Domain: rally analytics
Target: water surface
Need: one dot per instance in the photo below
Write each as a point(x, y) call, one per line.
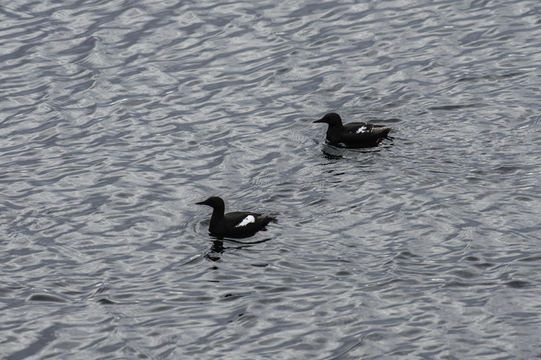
point(117, 116)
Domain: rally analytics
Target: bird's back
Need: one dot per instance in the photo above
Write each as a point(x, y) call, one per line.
point(241, 224)
point(358, 134)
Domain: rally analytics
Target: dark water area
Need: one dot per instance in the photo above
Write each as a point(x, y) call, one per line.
point(117, 116)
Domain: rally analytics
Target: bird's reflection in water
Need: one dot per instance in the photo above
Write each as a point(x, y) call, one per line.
point(218, 247)
point(336, 152)
point(332, 152)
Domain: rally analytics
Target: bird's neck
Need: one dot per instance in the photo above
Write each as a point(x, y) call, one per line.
point(217, 214)
point(334, 128)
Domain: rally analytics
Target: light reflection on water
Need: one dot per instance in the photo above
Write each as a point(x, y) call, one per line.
point(116, 117)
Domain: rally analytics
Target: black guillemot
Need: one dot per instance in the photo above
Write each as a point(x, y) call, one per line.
point(238, 224)
point(352, 135)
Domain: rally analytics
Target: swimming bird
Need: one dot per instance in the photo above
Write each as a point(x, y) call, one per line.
point(352, 135)
point(238, 224)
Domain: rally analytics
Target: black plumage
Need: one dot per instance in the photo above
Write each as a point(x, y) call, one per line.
point(238, 224)
point(352, 135)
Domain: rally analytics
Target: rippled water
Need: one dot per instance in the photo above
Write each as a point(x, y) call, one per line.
point(117, 116)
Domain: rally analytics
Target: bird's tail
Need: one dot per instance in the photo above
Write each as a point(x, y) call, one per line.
point(382, 132)
point(271, 218)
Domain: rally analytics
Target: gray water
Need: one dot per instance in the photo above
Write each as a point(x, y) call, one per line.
point(117, 116)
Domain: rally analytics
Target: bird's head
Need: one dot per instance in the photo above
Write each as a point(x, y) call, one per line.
point(333, 119)
point(213, 201)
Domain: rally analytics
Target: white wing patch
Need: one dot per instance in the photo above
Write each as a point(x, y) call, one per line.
point(248, 219)
point(362, 129)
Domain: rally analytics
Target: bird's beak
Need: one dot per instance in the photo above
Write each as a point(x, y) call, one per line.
point(201, 203)
point(319, 121)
